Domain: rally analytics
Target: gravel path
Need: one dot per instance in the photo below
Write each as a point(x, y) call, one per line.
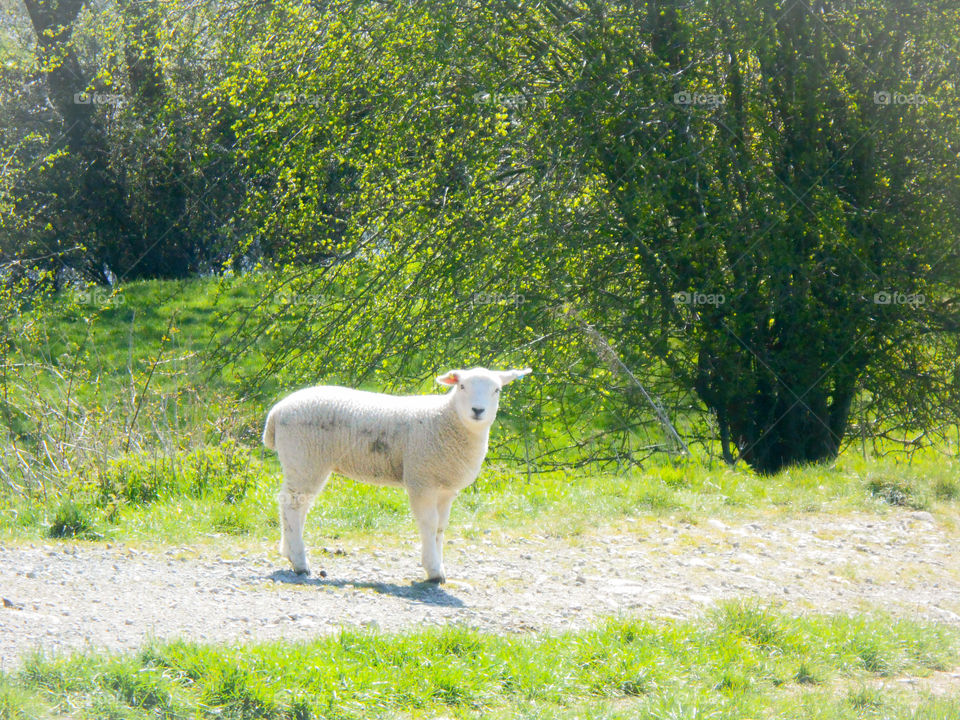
point(62, 596)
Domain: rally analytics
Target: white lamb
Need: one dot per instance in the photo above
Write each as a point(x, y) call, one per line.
point(432, 445)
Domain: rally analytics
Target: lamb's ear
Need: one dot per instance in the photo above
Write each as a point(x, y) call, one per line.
point(507, 376)
point(449, 379)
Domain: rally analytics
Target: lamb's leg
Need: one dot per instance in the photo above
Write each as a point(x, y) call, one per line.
point(443, 518)
point(294, 504)
point(424, 507)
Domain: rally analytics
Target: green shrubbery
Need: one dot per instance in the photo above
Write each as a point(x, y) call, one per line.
point(221, 476)
point(224, 472)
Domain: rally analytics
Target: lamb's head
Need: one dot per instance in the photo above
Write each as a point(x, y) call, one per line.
point(476, 393)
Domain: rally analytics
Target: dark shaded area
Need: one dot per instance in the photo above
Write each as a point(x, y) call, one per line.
point(427, 593)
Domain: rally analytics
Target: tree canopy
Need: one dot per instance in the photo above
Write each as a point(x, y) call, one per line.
point(742, 214)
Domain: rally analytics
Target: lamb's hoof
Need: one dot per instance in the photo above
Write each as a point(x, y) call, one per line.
point(438, 580)
point(304, 572)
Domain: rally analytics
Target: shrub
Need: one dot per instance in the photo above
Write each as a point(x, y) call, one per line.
point(72, 520)
point(896, 492)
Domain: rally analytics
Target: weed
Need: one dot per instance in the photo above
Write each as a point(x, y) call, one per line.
point(896, 492)
point(72, 520)
point(805, 675)
point(946, 488)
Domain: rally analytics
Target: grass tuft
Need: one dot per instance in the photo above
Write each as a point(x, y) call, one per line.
point(897, 492)
point(72, 520)
point(805, 675)
point(946, 488)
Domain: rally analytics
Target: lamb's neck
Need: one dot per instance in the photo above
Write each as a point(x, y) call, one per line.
point(470, 442)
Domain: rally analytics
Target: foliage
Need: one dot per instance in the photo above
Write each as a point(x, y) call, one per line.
point(713, 188)
point(71, 521)
point(108, 176)
point(750, 205)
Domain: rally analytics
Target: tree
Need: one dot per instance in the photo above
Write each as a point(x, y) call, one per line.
point(792, 225)
point(722, 190)
point(128, 189)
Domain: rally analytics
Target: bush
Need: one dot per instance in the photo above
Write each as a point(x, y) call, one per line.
point(72, 520)
point(226, 472)
point(897, 492)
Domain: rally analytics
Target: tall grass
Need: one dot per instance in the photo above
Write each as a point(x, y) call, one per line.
point(228, 489)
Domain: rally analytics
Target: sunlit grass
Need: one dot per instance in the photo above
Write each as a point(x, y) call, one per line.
point(173, 476)
point(229, 491)
point(740, 661)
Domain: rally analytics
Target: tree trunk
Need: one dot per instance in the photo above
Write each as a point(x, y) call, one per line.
point(98, 207)
point(775, 422)
point(53, 24)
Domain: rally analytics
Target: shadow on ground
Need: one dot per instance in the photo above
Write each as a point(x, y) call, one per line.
point(423, 592)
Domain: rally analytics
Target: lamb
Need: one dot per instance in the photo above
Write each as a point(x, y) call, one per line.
point(431, 445)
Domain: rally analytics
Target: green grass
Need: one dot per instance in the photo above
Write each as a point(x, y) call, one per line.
point(229, 491)
point(116, 335)
point(740, 661)
point(110, 437)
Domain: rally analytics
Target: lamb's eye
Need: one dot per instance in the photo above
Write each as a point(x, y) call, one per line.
point(463, 387)
point(497, 391)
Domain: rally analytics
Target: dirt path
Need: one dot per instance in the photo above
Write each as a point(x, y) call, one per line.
point(61, 596)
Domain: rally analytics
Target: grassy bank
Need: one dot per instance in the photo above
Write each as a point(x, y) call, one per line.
point(229, 490)
point(738, 662)
point(120, 426)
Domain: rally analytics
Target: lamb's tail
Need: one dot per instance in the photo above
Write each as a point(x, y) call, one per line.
point(268, 431)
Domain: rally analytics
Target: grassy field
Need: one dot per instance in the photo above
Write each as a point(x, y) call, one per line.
point(229, 491)
point(113, 443)
point(738, 662)
point(111, 438)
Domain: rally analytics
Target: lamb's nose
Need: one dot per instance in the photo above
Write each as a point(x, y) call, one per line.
point(477, 412)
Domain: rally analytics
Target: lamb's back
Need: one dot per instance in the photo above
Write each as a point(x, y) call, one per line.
point(360, 434)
